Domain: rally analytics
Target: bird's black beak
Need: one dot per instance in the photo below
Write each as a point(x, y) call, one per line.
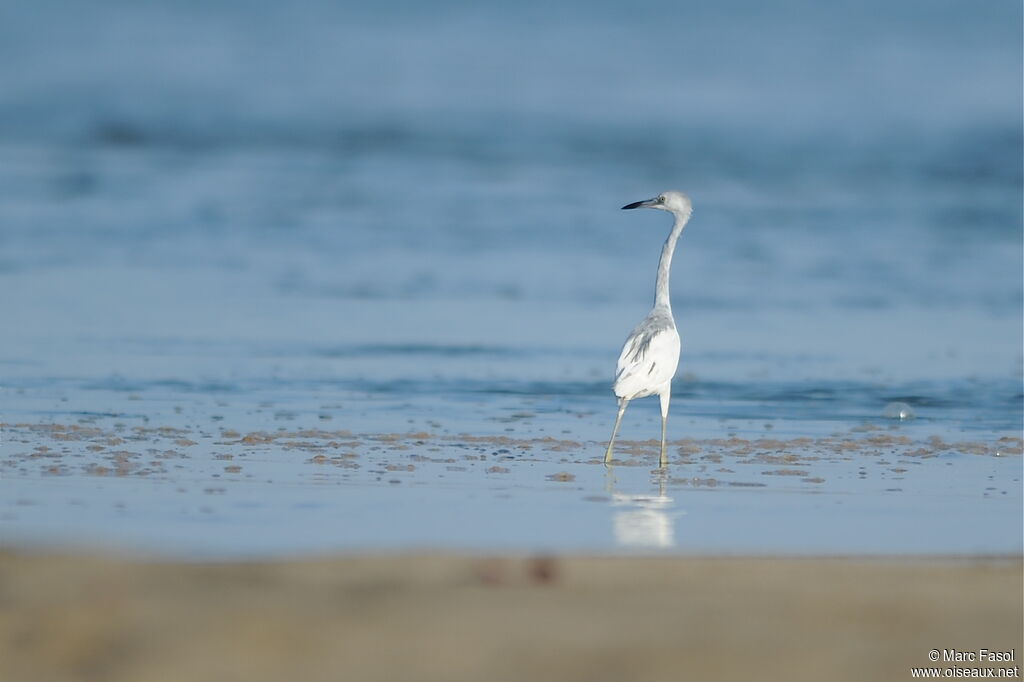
point(640, 204)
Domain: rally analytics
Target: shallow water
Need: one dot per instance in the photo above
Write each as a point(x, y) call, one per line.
point(218, 492)
point(388, 223)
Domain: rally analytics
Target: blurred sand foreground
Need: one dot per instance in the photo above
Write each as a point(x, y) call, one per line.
point(494, 619)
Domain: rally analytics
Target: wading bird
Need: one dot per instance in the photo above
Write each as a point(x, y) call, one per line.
point(651, 353)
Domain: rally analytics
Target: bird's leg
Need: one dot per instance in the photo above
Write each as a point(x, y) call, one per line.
point(663, 461)
point(665, 396)
point(615, 430)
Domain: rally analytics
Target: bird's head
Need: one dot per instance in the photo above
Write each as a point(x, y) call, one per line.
point(675, 202)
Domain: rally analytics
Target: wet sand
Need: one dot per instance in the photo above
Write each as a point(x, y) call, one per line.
point(68, 617)
point(59, 449)
point(223, 492)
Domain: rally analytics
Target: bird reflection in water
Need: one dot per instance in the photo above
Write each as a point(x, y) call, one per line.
point(643, 521)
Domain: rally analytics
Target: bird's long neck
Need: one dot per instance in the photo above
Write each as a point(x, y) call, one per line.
point(661, 294)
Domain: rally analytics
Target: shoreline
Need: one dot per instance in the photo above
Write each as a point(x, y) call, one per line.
point(222, 492)
point(499, 617)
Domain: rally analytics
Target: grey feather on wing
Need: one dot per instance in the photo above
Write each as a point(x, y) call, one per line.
point(641, 346)
point(643, 335)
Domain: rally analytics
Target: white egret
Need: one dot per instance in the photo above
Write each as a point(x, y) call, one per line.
point(651, 353)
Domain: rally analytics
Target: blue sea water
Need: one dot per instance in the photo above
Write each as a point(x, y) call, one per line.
point(403, 217)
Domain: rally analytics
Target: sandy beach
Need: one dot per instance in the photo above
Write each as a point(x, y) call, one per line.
point(67, 617)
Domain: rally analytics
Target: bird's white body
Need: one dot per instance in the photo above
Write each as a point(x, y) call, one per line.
point(650, 356)
point(648, 360)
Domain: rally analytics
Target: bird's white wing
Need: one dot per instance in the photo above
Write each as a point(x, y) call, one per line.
point(649, 359)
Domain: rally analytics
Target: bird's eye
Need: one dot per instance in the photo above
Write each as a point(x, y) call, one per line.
point(661, 199)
